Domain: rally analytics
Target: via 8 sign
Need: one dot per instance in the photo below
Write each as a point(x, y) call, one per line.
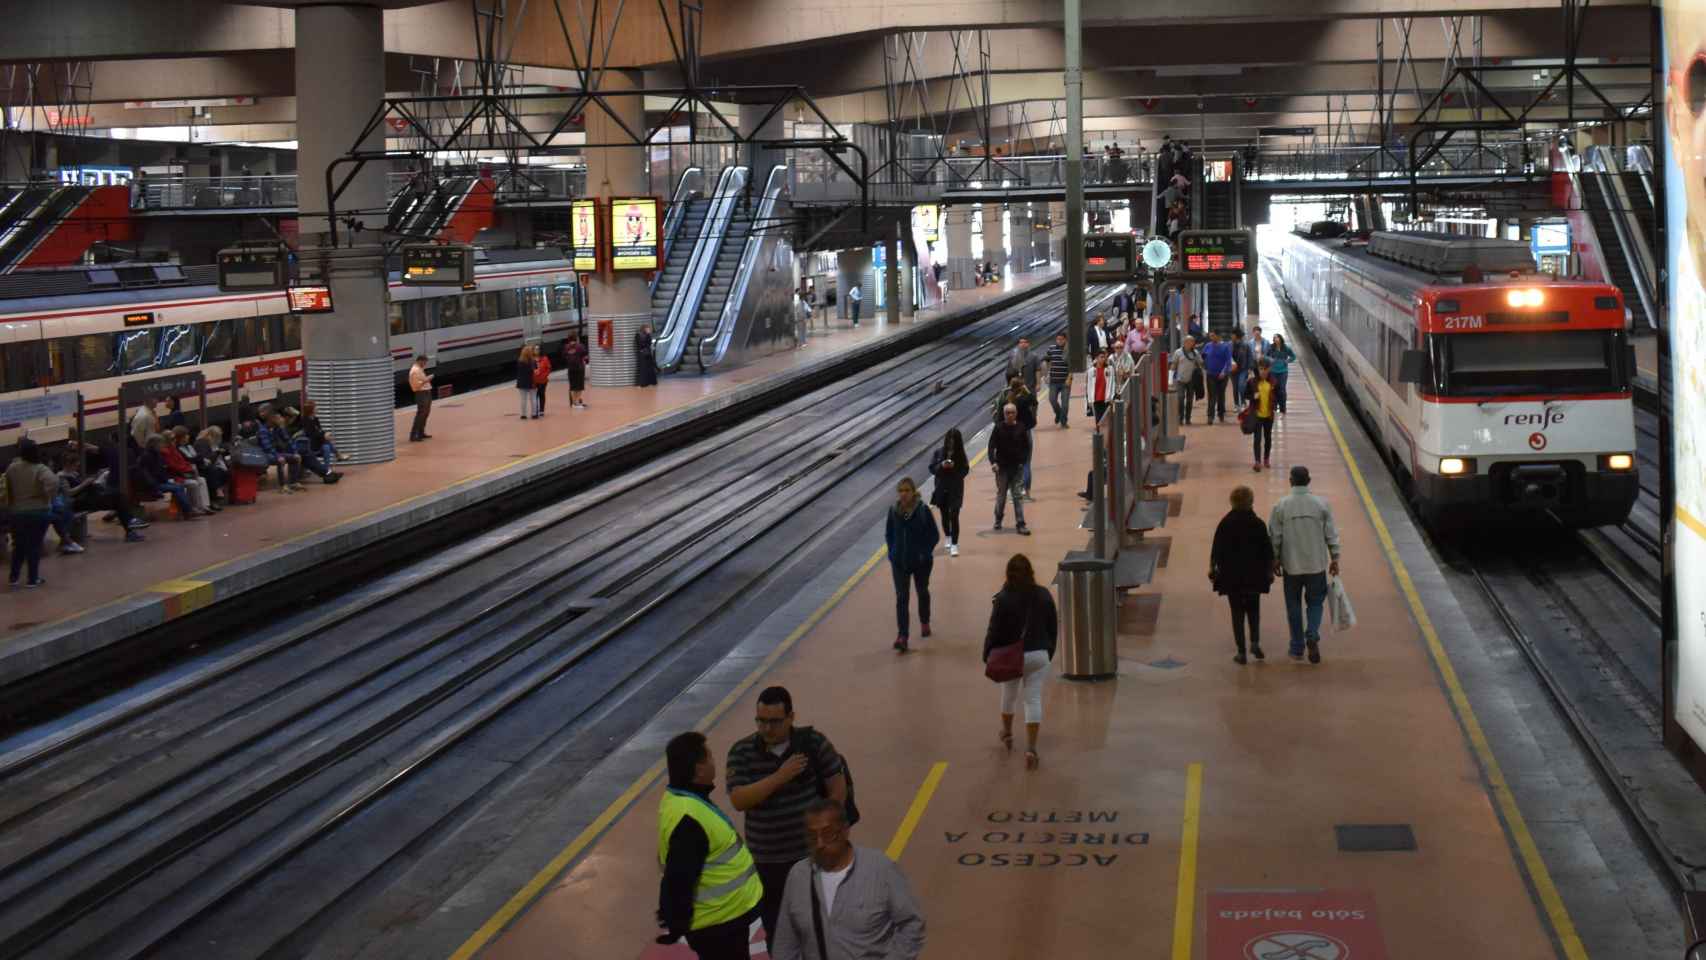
point(1215, 254)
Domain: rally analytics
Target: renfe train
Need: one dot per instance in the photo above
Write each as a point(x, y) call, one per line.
point(93, 342)
point(1488, 385)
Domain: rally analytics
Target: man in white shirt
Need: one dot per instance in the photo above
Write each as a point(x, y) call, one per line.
point(845, 901)
point(855, 297)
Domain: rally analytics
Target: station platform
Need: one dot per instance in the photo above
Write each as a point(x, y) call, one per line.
point(1189, 808)
point(479, 443)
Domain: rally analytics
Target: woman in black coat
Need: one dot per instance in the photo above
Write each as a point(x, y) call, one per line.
point(949, 466)
point(1241, 566)
point(1023, 612)
point(646, 365)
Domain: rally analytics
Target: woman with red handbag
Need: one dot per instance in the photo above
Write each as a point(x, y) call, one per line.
point(1017, 649)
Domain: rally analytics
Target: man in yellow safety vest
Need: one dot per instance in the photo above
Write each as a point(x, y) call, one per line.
point(711, 891)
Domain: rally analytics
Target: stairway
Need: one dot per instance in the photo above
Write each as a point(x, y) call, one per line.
point(722, 278)
point(1635, 185)
point(1219, 214)
point(680, 252)
point(1595, 187)
point(31, 217)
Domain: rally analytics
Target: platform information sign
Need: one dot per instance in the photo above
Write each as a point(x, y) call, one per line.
point(1214, 254)
point(1110, 256)
point(1292, 925)
point(583, 235)
point(634, 233)
point(1685, 201)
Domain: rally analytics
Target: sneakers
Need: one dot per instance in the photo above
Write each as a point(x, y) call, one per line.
point(1314, 650)
point(1295, 657)
point(297, 488)
point(1256, 467)
point(70, 546)
point(1266, 463)
point(131, 536)
point(1022, 530)
point(1240, 659)
point(343, 458)
point(997, 527)
point(287, 489)
point(925, 631)
point(900, 645)
point(137, 523)
point(1256, 651)
point(953, 549)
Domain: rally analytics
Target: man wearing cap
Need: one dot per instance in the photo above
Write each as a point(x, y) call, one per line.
point(1306, 553)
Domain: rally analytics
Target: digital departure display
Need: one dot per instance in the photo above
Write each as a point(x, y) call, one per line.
point(634, 233)
point(1222, 253)
point(309, 298)
point(250, 268)
point(1109, 256)
point(438, 264)
point(141, 319)
point(583, 235)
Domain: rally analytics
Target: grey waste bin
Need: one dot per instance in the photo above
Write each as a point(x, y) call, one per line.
point(1087, 615)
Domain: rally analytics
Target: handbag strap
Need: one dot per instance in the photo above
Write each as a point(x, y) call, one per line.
point(817, 916)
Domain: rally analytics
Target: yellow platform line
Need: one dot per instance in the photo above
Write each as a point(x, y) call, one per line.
point(1551, 902)
point(530, 892)
point(915, 813)
point(1185, 907)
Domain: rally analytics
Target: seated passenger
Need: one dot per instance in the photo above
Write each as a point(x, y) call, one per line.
point(211, 471)
point(184, 472)
point(63, 512)
point(318, 439)
point(154, 476)
point(275, 443)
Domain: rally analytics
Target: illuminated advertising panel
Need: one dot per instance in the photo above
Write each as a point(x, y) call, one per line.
point(309, 298)
point(583, 235)
point(925, 218)
point(634, 233)
point(1685, 202)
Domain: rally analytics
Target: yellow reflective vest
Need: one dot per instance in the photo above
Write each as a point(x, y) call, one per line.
point(728, 884)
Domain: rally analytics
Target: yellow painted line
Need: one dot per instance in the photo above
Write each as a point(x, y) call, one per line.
point(529, 892)
point(915, 813)
point(1185, 908)
point(1689, 520)
point(1551, 902)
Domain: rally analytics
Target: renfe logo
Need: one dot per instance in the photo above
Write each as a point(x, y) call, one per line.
point(1543, 419)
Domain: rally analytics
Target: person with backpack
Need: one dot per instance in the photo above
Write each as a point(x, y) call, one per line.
point(912, 536)
point(1018, 647)
point(949, 466)
point(1261, 398)
point(1282, 357)
point(1187, 374)
point(541, 379)
point(773, 776)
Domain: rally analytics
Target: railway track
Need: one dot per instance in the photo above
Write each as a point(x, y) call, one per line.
point(247, 802)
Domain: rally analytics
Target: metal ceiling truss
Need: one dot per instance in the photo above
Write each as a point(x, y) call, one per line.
point(490, 117)
point(55, 100)
point(907, 87)
point(1493, 114)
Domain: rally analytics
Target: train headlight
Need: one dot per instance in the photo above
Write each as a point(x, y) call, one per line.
point(1455, 466)
point(1528, 297)
point(1620, 462)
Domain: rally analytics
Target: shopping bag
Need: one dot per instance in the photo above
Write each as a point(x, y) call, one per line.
point(1344, 615)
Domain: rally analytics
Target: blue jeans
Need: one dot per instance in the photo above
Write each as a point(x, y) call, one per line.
point(60, 516)
point(179, 493)
point(1238, 380)
point(1058, 399)
point(1279, 389)
point(903, 581)
point(1301, 588)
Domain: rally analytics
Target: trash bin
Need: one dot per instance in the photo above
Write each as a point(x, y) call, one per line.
point(1087, 615)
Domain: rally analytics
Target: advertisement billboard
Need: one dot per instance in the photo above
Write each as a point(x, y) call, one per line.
point(634, 233)
point(1685, 213)
point(925, 220)
point(583, 235)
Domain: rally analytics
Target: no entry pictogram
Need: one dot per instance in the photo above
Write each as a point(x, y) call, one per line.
point(1293, 925)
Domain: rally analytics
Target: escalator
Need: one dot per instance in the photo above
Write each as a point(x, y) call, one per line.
point(749, 311)
point(722, 276)
point(36, 216)
point(428, 216)
point(1219, 212)
point(675, 264)
point(1636, 188)
point(1603, 208)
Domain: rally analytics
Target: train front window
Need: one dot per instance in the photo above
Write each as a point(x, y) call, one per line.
point(1516, 364)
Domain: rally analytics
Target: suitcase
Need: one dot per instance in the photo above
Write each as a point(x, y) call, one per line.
point(244, 486)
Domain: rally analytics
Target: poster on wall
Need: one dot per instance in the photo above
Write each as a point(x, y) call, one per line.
point(1685, 202)
point(583, 235)
point(925, 220)
point(634, 233)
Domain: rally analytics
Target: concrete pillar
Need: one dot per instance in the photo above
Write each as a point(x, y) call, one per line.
point(956, 227)
point(994, 235)
point(909, 280)
point(891, 274)
point(852, 266)
point(340, 79)
point(624, 299)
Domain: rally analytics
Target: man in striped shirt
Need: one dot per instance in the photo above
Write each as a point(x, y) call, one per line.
point(773, 776)
point(1059, 379)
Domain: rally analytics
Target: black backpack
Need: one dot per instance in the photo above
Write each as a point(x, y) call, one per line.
point(805, 742)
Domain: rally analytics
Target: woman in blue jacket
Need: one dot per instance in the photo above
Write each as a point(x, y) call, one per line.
point(912, 538)
point(1280, 358)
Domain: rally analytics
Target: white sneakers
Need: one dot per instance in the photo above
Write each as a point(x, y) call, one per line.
point(953, 549)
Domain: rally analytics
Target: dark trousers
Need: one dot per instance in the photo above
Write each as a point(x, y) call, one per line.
point(28, 531)
point(1217, 398)
point(1279, 390)
point(774, 876)
point(903, 582)
point(1187, 400)
point(725, 941)
point(1305, 598)
point(423, 409)
point(855, 307)
point(539, 391)
point(1246, 609)
point(950, 524)
point(1262, 441)
point(1058, 399)
point(1098, 408)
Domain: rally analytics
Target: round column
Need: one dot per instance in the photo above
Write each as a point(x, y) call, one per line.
point(624, 299)
point(994, 237)
point(956, 224)
point(340, 80)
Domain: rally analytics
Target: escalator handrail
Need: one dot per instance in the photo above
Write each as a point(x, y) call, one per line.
point(29, 216)
point(672, 222)
point(40, 224)
point(727, 320)
point(678, 325)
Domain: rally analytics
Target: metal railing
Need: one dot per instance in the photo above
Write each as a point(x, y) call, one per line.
point(671, 345)
point(755, 238)
point(279, 190)
point(1385, 163)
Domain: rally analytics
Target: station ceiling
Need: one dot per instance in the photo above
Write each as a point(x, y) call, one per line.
point(1214, 70)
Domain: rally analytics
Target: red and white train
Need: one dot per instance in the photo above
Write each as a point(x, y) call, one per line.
point(1489, 386)
point(93, 342)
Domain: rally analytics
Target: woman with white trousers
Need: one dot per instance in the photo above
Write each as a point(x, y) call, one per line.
point(1023, 613)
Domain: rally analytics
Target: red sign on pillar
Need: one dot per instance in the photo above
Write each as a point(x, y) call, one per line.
point(1291, 925)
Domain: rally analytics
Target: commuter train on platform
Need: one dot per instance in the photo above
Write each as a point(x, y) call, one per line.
point(1489, 386)
point(94, 342)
